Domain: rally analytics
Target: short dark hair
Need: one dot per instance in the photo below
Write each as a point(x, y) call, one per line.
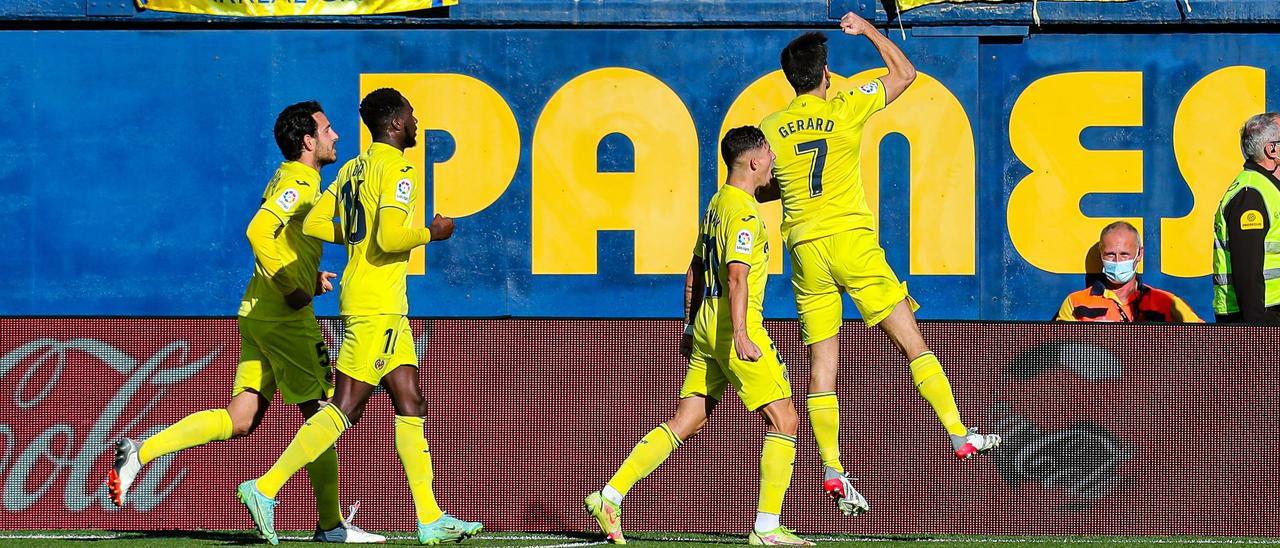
point(379, 107)
point(295, 122)
point(738, 141)
point(1117, 225)
point(804, 60)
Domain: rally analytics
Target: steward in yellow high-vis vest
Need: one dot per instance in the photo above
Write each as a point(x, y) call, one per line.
point(1246, 248)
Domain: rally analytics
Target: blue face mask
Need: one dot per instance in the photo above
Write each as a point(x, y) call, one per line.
point(1120, 272)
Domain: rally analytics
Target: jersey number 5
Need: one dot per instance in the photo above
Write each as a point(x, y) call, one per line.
point(818, 149)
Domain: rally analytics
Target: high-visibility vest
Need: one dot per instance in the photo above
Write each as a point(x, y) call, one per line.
point(1224, 292)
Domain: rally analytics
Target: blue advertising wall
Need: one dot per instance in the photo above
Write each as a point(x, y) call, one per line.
point(132, 160)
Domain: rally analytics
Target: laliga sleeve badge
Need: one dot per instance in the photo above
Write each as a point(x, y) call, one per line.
point(870, 88)
point(287, 199)
point(1251, 220)
point(743, 245)
point(404, 188)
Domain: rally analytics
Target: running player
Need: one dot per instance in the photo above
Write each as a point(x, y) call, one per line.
point(726, 343)
point(374, 196)
point(834, 247)
point(281, 346)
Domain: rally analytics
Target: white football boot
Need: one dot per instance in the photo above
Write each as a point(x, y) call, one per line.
point(848, 500)
point(124, 471)
point(973, 443)
point(347, 532)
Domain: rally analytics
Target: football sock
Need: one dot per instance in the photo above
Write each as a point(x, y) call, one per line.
point(766, 522)
point(195, 429)
point(316, 436)
point(647, 456)
point(323, 473)
point(776, 460)
point(612, 495)
point(824, 416)
point(932, 383)
point(415, 455)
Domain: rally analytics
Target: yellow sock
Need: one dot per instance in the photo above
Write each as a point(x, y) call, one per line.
point(777, 458)
point(323, 473)
point(195, 429)
point(932, 383)
point(647, 456)
point(316, 436)
point(824, 415)
point(415, 455)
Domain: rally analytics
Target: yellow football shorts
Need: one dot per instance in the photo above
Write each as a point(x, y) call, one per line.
point(374, 345)
point(290, 356)
point(851, 262)
point(758, 383)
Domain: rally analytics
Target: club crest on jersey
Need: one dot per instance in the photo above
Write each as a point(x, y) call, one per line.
point(870, 88)
point(743, 244)
point(287, 199)
point(403, 189)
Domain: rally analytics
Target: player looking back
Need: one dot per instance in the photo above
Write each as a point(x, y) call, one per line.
point(374, 195)
point(726, 343)
point(834, 248)
point(280, 344)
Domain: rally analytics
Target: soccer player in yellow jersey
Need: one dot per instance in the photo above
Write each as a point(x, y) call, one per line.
point(374, 196)
point(281, 346)
point(834, 248)
point(726, 343)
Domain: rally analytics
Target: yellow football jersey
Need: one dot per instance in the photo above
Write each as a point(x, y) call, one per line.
point(818, 144)
point(289, 196)
point(374, 279)
point(731, 231)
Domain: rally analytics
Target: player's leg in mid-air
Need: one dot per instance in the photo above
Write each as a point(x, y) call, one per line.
point(251, 393)
point(703, 386)
point(818, 301)
point(931, 381)
point(241, 416)
point(852, 261)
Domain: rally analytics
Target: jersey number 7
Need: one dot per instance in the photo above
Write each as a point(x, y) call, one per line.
point(818, 149)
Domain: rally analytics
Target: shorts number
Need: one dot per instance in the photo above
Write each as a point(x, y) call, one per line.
point(819, 150)
point(322, 352)
point(391, 341)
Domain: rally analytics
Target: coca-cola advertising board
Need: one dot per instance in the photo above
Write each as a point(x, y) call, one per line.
point(1109, 429)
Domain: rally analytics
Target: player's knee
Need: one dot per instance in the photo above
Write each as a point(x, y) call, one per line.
point(687, 423)
point(411, 407)
point(244, 425)
point(780, 416)
point(352, 412)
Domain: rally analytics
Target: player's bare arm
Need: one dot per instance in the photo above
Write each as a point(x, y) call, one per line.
point(901, 72)
point(693, 288)
point(742, 345)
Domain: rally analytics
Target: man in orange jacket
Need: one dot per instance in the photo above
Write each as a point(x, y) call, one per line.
point(1120, 296)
